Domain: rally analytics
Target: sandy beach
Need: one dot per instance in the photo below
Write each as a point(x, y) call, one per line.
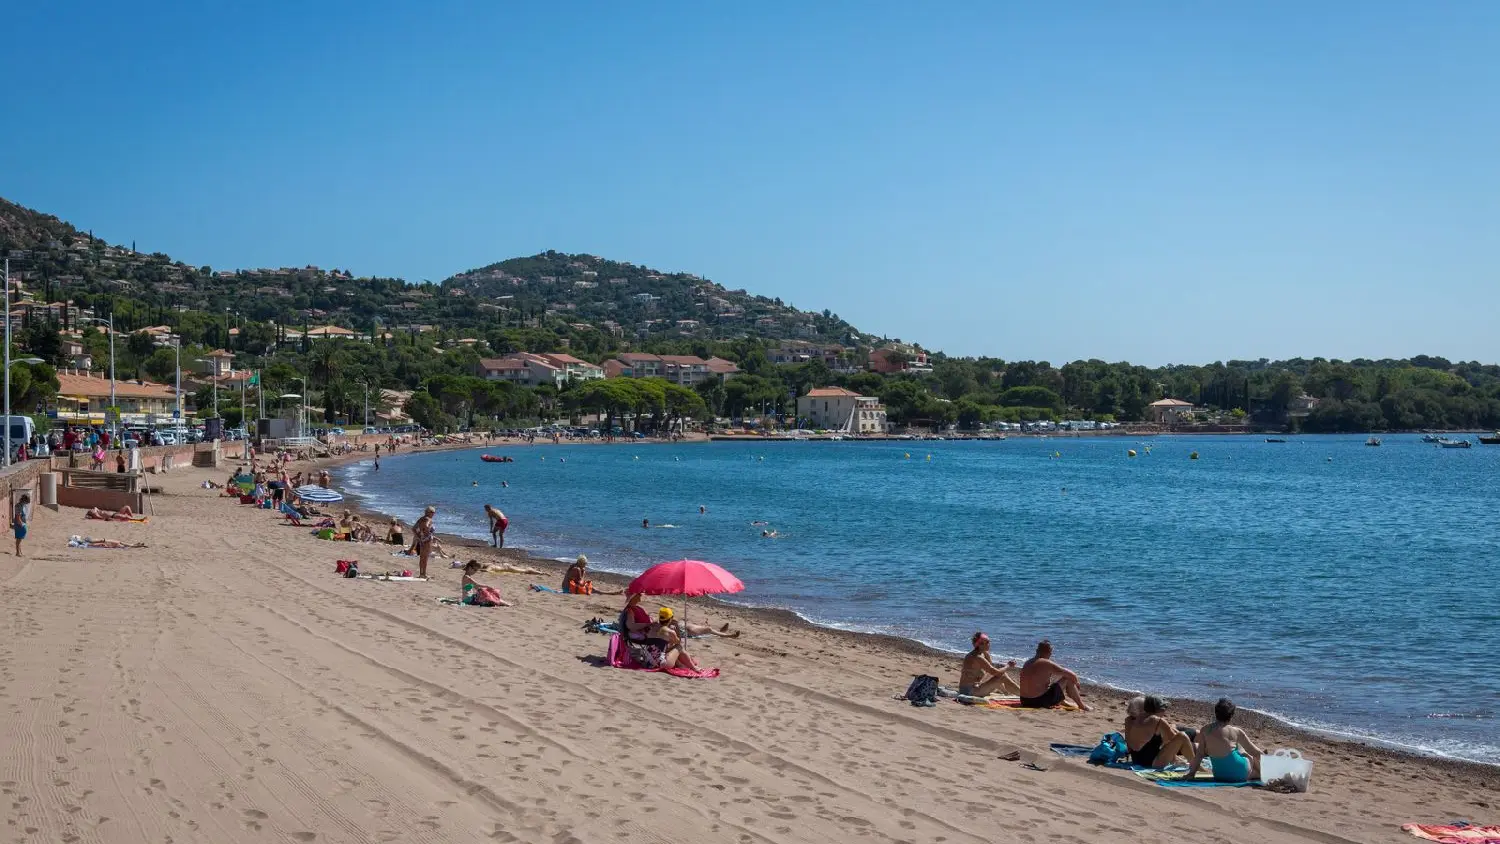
point(223, 685)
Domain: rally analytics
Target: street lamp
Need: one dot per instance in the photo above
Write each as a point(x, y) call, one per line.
point(8, 428)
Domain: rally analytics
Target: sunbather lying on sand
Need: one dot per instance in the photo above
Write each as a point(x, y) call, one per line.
point(979, 677)
point(89, 542)
point(1045, 684)
point(1153, 741)
point(121, 515)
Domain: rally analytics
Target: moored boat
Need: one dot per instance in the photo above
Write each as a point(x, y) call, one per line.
point(1431, 438)
point(492, 458)
point(1488, 439)
point(1447, 443)
point(1275, 439)
point(1372, 441)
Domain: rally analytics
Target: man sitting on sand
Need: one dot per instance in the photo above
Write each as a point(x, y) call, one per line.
point(1045, 684)
point(1153, 741)
point(979, 677)
point(1235, 757)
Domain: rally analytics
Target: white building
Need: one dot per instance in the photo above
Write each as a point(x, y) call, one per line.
point(838, 409)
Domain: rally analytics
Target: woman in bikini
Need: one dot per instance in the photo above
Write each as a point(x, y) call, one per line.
point(422, 538)
point(1153, 741)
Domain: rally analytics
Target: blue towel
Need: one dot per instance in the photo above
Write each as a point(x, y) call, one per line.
point(1071, 750)
point(538, 588)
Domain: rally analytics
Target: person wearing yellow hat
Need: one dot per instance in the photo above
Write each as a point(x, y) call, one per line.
point(666, 618)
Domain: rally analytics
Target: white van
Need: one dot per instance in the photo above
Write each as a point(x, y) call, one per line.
point(19, 429)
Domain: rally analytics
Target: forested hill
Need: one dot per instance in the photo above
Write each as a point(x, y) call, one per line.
point(585, 288)
point(598, 304)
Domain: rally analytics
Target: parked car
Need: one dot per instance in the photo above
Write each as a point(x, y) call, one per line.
point(370, 429)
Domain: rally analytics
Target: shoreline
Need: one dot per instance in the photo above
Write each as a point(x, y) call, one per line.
point(1286, 731)
point(226, 685)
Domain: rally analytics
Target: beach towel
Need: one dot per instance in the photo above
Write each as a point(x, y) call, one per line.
point(618, 656)
point(1458, 832)
point(1171, 777)
point(1012, 703)
point(536, 587)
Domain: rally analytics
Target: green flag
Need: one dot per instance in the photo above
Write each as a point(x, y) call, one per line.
point(254, 379)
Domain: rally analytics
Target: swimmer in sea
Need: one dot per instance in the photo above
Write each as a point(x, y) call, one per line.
point(645, 523)
point(769, 534)
point(702, 510)
point(505, 483)
point(759, 523)
point(474, 483)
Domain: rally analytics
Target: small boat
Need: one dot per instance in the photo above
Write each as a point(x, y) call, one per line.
point(1490, 440)
point(1431, 438)
point(1446, 443)
point(491, 458)
point(1275, 439)
point(1372, 441)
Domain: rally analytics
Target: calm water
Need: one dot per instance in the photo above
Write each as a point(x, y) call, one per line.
point(1356, 594)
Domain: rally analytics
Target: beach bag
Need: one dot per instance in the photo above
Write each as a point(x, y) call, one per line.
point(1110, 750)
point(922, 691)
point(342, 566)
point(352, 570)
point(1286, 765)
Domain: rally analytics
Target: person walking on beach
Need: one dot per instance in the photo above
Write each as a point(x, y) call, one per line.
point(498, 524)
point(20, 519)
point(979, 677)
point(422, 535)
point(1045, 684)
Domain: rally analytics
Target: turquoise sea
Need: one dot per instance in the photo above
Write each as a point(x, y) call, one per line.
point(1341, 587)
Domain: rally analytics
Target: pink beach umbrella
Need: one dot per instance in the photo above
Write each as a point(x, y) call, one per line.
point(684, 577)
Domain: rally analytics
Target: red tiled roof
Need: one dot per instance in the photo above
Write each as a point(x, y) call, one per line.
point(69, 384)
point(831, 392)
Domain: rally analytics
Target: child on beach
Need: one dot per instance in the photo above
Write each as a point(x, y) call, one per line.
point(20, 519)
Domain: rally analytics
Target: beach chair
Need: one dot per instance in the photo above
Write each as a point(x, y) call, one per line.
point(292, 516)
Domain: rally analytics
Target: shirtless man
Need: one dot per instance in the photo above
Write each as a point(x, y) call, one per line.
point(1235, 757)
point(1045, 684)
point(980, 677)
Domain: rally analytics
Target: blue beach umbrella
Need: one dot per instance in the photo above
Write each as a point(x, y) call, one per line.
point(318, 495)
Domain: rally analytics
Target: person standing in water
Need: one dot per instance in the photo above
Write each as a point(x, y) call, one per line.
point(20, 519)
point(498, 524)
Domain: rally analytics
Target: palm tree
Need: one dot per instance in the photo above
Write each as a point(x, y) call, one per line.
point(327, 362)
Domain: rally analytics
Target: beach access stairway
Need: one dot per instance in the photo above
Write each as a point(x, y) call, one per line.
point(106, 490)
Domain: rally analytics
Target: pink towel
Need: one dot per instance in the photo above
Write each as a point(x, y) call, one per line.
point(619, 657)
point(1455, 833)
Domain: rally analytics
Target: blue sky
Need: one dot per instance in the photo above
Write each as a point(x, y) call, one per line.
point(1152, 181)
